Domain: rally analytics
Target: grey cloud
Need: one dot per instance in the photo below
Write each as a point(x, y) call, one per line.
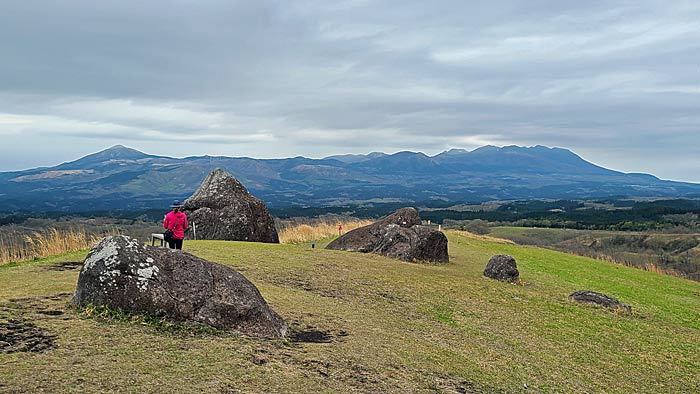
point(279, 78)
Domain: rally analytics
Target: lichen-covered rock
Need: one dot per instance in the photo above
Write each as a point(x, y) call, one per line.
point(592, 297)
point(223, 209)
point(399, 235)
point(121, 273)
point(502, 267)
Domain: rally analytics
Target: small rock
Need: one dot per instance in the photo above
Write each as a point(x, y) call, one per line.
point(592, 297)
point(502, 267)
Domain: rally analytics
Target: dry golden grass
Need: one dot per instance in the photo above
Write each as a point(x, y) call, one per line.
point(44, 243)
point(485, 238)
point(652, 267)
point(648, 266)
point(301, 233)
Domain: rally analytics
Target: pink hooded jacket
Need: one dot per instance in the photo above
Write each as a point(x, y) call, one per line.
point(177, 222)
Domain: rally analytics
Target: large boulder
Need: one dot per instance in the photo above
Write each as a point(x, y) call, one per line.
point(592, 297)
point(399, 235)
point(502, 267)
point(121, 273)
point(222, 208)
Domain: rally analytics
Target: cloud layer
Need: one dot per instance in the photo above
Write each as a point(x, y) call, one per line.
point(617, 82)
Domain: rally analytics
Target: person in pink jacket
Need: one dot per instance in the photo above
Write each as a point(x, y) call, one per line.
point(176, 222)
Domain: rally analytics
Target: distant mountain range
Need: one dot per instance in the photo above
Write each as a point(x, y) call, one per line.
point(124, 178)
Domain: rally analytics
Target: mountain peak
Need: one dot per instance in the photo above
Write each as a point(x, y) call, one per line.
point(355, 158)
point(451, 152)
point(486, 148)
point(116, 152)
point(122, 150)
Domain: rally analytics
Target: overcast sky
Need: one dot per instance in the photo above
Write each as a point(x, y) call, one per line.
point(617, 82)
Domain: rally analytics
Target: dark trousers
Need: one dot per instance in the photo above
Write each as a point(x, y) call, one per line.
point(175, 243)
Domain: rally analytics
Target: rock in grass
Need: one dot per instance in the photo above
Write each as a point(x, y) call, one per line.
point(223, 209)
point(502, 267)
point(592, 297)
point(399, 235)
point(121, 273)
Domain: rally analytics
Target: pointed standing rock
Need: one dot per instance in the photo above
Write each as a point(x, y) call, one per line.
point(223, 209)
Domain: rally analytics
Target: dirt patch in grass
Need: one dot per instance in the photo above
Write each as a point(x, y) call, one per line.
point(349, 372)
point(311, 336)
point(391, 378)
point(65, 266)
point(391, 297)
point(50, 312)
point(306, 284)
point(322, 368)
point(228, 389)
point(451, 384)
point(19, 333)
point(33, 301)
point(23, 336)
point(347, 290)
point(314, 335)
point(35, 308)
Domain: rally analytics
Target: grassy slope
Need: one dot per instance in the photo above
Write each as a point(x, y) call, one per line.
point(677, 254)
point(410, 327)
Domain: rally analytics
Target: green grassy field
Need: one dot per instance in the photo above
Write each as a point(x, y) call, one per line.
point(673, 254)
point(388, 326)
